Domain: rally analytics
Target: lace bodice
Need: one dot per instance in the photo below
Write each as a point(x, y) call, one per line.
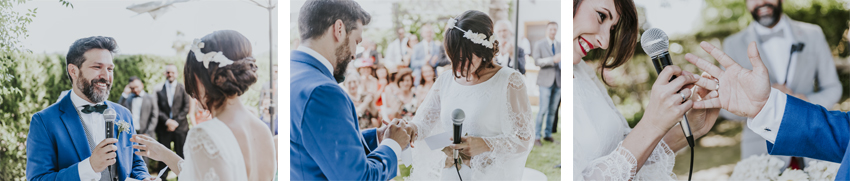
point(497, 110)
point(212, 153)
point(600, 130)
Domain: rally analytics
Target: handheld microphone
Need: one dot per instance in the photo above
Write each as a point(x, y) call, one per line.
point(457, 121)
point(655, 42)
point(109, 116)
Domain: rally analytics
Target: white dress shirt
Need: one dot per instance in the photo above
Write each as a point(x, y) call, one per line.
point(766, 123)
point(778, 49)
point(95, 124)
point(169, 92)
point(389, 141)
point(136, 109)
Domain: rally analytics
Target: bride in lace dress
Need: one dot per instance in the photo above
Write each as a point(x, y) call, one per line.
point(235, 144)
point(606, 148)
point(497, 128)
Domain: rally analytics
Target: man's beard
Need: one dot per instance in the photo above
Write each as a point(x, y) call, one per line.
point(343, 57)
point(89, 90)
point(768, 20)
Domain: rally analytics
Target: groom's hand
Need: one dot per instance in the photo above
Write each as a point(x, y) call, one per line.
point(741, 91)
point(396, 131)
point(103, 155)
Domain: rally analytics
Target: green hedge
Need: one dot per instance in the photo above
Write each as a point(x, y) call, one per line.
point(41, 78)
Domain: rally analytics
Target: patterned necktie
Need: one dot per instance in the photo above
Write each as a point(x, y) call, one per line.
point(88, 109)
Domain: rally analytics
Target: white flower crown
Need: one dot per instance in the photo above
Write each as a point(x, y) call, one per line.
point(219, 57)
point(477, 38)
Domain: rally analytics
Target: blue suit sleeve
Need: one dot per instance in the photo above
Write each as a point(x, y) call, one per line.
point(330, 134)
point(42, 156)
point(810, 130)
point(371, 136)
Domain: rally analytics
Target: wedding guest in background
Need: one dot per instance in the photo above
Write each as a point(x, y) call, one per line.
point(796, 54)
point(405, 92)
point(174, 106)
point(370, 51)
point(142, 105)
point(428, 77)
point(547, 55)
point(382, 74)
point(412, 41)
point(505, 57)
point(423, 52)
point(395, 51)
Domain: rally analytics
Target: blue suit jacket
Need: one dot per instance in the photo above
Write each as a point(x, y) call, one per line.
point(57, 143)
point(325, 140)
point(810, 130)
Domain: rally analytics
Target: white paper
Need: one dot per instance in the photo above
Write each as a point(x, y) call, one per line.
point(439, 141)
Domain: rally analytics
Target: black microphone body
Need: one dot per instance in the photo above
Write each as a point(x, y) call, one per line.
point(109, 116)
point(654, 42)
point(457, 121)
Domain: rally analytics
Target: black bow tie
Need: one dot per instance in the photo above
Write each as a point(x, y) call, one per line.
point(88, 109)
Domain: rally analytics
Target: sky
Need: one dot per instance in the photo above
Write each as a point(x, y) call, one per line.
point(55, 26)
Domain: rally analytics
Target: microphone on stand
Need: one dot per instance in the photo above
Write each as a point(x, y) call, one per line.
point(655, 42)
point(109, 116)
point(457, 122)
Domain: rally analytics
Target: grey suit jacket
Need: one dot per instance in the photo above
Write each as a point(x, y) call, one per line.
point(148, 118)
point(549, 73)
point(418, 59)
point(813, 64)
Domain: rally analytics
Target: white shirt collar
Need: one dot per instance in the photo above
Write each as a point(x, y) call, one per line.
point(317, 56)
point(551, 41)
point(169, 85)
point(78, 101)
point(782, 24)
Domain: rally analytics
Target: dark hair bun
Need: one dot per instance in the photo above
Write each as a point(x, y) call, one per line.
point(236, 78)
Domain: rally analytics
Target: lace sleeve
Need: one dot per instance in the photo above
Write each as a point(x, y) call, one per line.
point(204, 160)
point(427, 116)
point(622, 165)
point(517, 130)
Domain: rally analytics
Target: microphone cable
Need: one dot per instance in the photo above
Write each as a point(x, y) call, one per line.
point(457, 166)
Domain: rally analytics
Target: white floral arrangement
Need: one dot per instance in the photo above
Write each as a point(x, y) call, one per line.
point(477, 38)
point(123, 127)
point(766, 167)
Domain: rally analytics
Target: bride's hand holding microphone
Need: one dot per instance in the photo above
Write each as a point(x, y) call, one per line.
point(668, 101)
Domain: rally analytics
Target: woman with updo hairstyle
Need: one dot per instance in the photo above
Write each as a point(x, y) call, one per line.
point(234, 144)
point(497, 126)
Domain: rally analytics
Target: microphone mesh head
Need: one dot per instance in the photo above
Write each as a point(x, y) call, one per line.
point(654, 42)
point(109, 114)
point(458, 116)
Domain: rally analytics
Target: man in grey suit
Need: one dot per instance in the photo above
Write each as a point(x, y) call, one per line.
point(142, 105)
point(796, 56)
point(173, 103)
point(547, 55)
point(424, 52)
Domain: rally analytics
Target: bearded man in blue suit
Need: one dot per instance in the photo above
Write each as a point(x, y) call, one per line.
point(67, 141)
point(326, 142)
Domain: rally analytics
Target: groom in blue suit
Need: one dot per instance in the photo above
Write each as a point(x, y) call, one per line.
point(67, 141)
point(325, 140)
point(791, 126)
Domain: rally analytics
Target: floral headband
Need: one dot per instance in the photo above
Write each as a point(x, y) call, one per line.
point(210, 56)
point(477, 38)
